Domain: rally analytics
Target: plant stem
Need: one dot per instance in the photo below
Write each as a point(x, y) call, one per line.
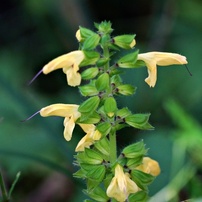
point(113, 152)
point(3, 189)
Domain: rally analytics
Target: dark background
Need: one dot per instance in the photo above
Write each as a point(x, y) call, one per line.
point(34, 32)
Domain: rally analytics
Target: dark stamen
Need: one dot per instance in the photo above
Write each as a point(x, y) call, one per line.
point(188, 69)
point(35, 76)
point(27, 119)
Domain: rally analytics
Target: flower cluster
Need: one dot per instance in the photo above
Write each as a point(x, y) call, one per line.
point(108, 177)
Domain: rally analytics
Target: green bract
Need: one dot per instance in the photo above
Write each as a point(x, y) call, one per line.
point(124, 41)
point(128, 61)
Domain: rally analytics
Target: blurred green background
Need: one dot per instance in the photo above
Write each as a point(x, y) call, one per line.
point(34, 32)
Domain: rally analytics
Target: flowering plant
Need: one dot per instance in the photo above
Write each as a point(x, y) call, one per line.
point(109, 176)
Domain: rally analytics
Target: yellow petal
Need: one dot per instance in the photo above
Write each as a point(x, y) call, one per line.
point(67, 60)
point(73, 77)
point(90, 138)
point(149, 166)
point(69, 125)
point(85, 142)
point(62, 110)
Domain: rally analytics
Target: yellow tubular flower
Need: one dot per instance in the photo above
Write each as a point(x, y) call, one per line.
point(91, 136)
point(69, 111)
point(70, 65)
point(152, 59)
point(149, 166)
point(121, 185)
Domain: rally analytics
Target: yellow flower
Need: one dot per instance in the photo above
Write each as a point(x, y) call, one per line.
point(69, 111)
point(152, 59)
point(70, 65)
point(149, 166)
point(89, 139)
point(121, 185)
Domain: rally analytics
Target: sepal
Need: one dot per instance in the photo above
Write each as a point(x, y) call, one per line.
point(89, 73)
point(84, 33)
point(126, 89)
point(104, 128)
point(98, 194)
point(140, 196)
point(125, 41)
point(89, 89)
point(128, 61)
point(89, 156)
point(91, 58)
point(141, 179)
point(103, 146)
point(110, 106)
point(102, 83)
point(139, 121)
point(90, 105)
point(134, 150)
point(91, 42)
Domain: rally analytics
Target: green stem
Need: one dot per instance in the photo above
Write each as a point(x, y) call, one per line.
point(106, 55)
point(113, 152)
point(3, 189)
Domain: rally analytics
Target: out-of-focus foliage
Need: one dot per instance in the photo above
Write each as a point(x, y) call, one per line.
point(33, 32)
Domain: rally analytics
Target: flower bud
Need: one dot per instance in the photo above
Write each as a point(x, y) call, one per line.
point(102, 83)
point(135, 150)
point(141, 179)
point(139, 196)
point(91, 42)
point(104, 27)
point(83, 33)
point(97, 193)
point(103, 146)
point(104, 128)
point(124, 112)
point(139, 121)
point(125, 41)
point(90, 58)
point(102, 61)
point(128, 61)
point(90, 105)
point(88, 90)
point(110, 106)
point(126, 89)
point(89, 73)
